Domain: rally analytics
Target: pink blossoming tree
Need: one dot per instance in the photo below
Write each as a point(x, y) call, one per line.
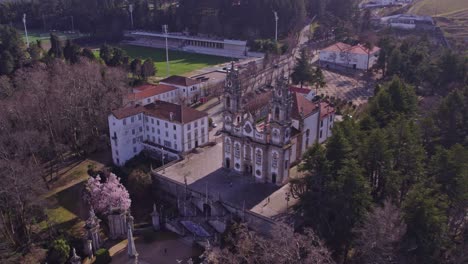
point(108, 195)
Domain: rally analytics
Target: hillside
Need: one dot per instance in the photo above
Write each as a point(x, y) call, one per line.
point(451, 16)
point(437, 7)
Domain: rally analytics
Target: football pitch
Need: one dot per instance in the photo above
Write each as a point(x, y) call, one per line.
point(180, 62)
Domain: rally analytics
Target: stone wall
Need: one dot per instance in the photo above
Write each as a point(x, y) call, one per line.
point(169, 190)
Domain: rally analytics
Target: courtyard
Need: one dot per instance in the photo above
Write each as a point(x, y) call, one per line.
point(167, 248)
point(351, 88)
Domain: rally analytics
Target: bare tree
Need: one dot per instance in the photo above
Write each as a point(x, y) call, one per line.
point(285, 246)
point(379, 236)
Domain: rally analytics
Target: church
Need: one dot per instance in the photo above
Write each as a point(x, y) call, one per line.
point(265, 133)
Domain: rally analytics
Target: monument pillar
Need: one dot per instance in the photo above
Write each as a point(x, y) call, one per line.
point(92, 227)
point(155, 219)
point(117, 224)
point(75, 259)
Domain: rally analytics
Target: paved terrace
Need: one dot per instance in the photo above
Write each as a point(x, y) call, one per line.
point(347, 88)
point(204, 173)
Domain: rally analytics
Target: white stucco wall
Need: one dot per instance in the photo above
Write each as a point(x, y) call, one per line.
point(310, 123)
point(325, 128)
point(171, 135)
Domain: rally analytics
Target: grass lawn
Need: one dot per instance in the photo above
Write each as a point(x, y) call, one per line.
point(181, 63)
point(65, 208)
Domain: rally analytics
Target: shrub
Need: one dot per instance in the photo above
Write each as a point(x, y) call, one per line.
point(58, 252)
point(210, 122)
point(103, 256)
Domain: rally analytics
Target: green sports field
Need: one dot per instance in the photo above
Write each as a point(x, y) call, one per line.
point(180, 62)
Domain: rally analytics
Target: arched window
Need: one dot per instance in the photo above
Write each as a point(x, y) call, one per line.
point(258, 157)
point(277, 113)
point(237, 150)
point(227, 146)
point(274, 162)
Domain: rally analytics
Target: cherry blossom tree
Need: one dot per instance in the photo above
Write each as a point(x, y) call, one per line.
point(108, 195)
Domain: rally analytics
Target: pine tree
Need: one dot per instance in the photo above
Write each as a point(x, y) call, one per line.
point(55, 46)
point(135, 68)
point(350, 201)
point(449, 167)
point(426, 218)
point(87, 53)
point(338, 148)
point(105, 53)
point(303, 72)
point(318, 79)
point(375, 157)
point(7, 63)
point(407, 156)
point(148, 69)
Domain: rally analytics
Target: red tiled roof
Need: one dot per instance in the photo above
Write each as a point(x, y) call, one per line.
point(343, 47)
point(258, 101)
point(302, 105)
point(180, 80)
point(360, 49)
point(326, 109)
point(299, 90)
point(339, 46)
point(128, 111)
point(149, 90)
point(160, 109)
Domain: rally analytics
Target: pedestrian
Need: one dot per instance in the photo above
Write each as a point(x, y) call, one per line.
point(165, 251)
point(268, 199)
point(230, 184)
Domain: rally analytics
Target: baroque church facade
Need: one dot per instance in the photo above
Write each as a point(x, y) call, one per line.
point(265, 133)
point(260, 149)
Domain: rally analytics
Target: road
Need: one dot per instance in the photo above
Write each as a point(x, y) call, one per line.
point(264, 77)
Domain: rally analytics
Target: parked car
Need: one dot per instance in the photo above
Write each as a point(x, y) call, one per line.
point(219, 132)
point(214, 125)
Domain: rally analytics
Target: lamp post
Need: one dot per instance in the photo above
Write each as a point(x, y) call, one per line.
point(130, 8)
point(167, 49)
point(72, 24)
point(276, 25)
point(25, 30)
point(162, 160)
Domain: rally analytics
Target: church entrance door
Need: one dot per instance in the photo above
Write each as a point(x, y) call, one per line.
point(273, 178)
point(248, 169)
point(228, 163)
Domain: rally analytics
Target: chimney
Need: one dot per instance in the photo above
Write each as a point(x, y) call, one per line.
point(171, 116)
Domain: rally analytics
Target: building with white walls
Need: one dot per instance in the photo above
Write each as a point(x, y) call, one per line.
point(345, 55)
point(189, 89)
point(408, 22)
point(196, 44)
point(159, 127)
point(265, 134)
point(148, 93)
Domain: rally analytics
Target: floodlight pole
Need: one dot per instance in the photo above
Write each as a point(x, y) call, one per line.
point(25, 30)
point(162, 160)
point(167, 49)
point(276, 25)
point(130, 8)
point(73, 24)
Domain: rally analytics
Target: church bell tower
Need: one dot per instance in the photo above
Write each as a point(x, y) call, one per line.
point(280, 111)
